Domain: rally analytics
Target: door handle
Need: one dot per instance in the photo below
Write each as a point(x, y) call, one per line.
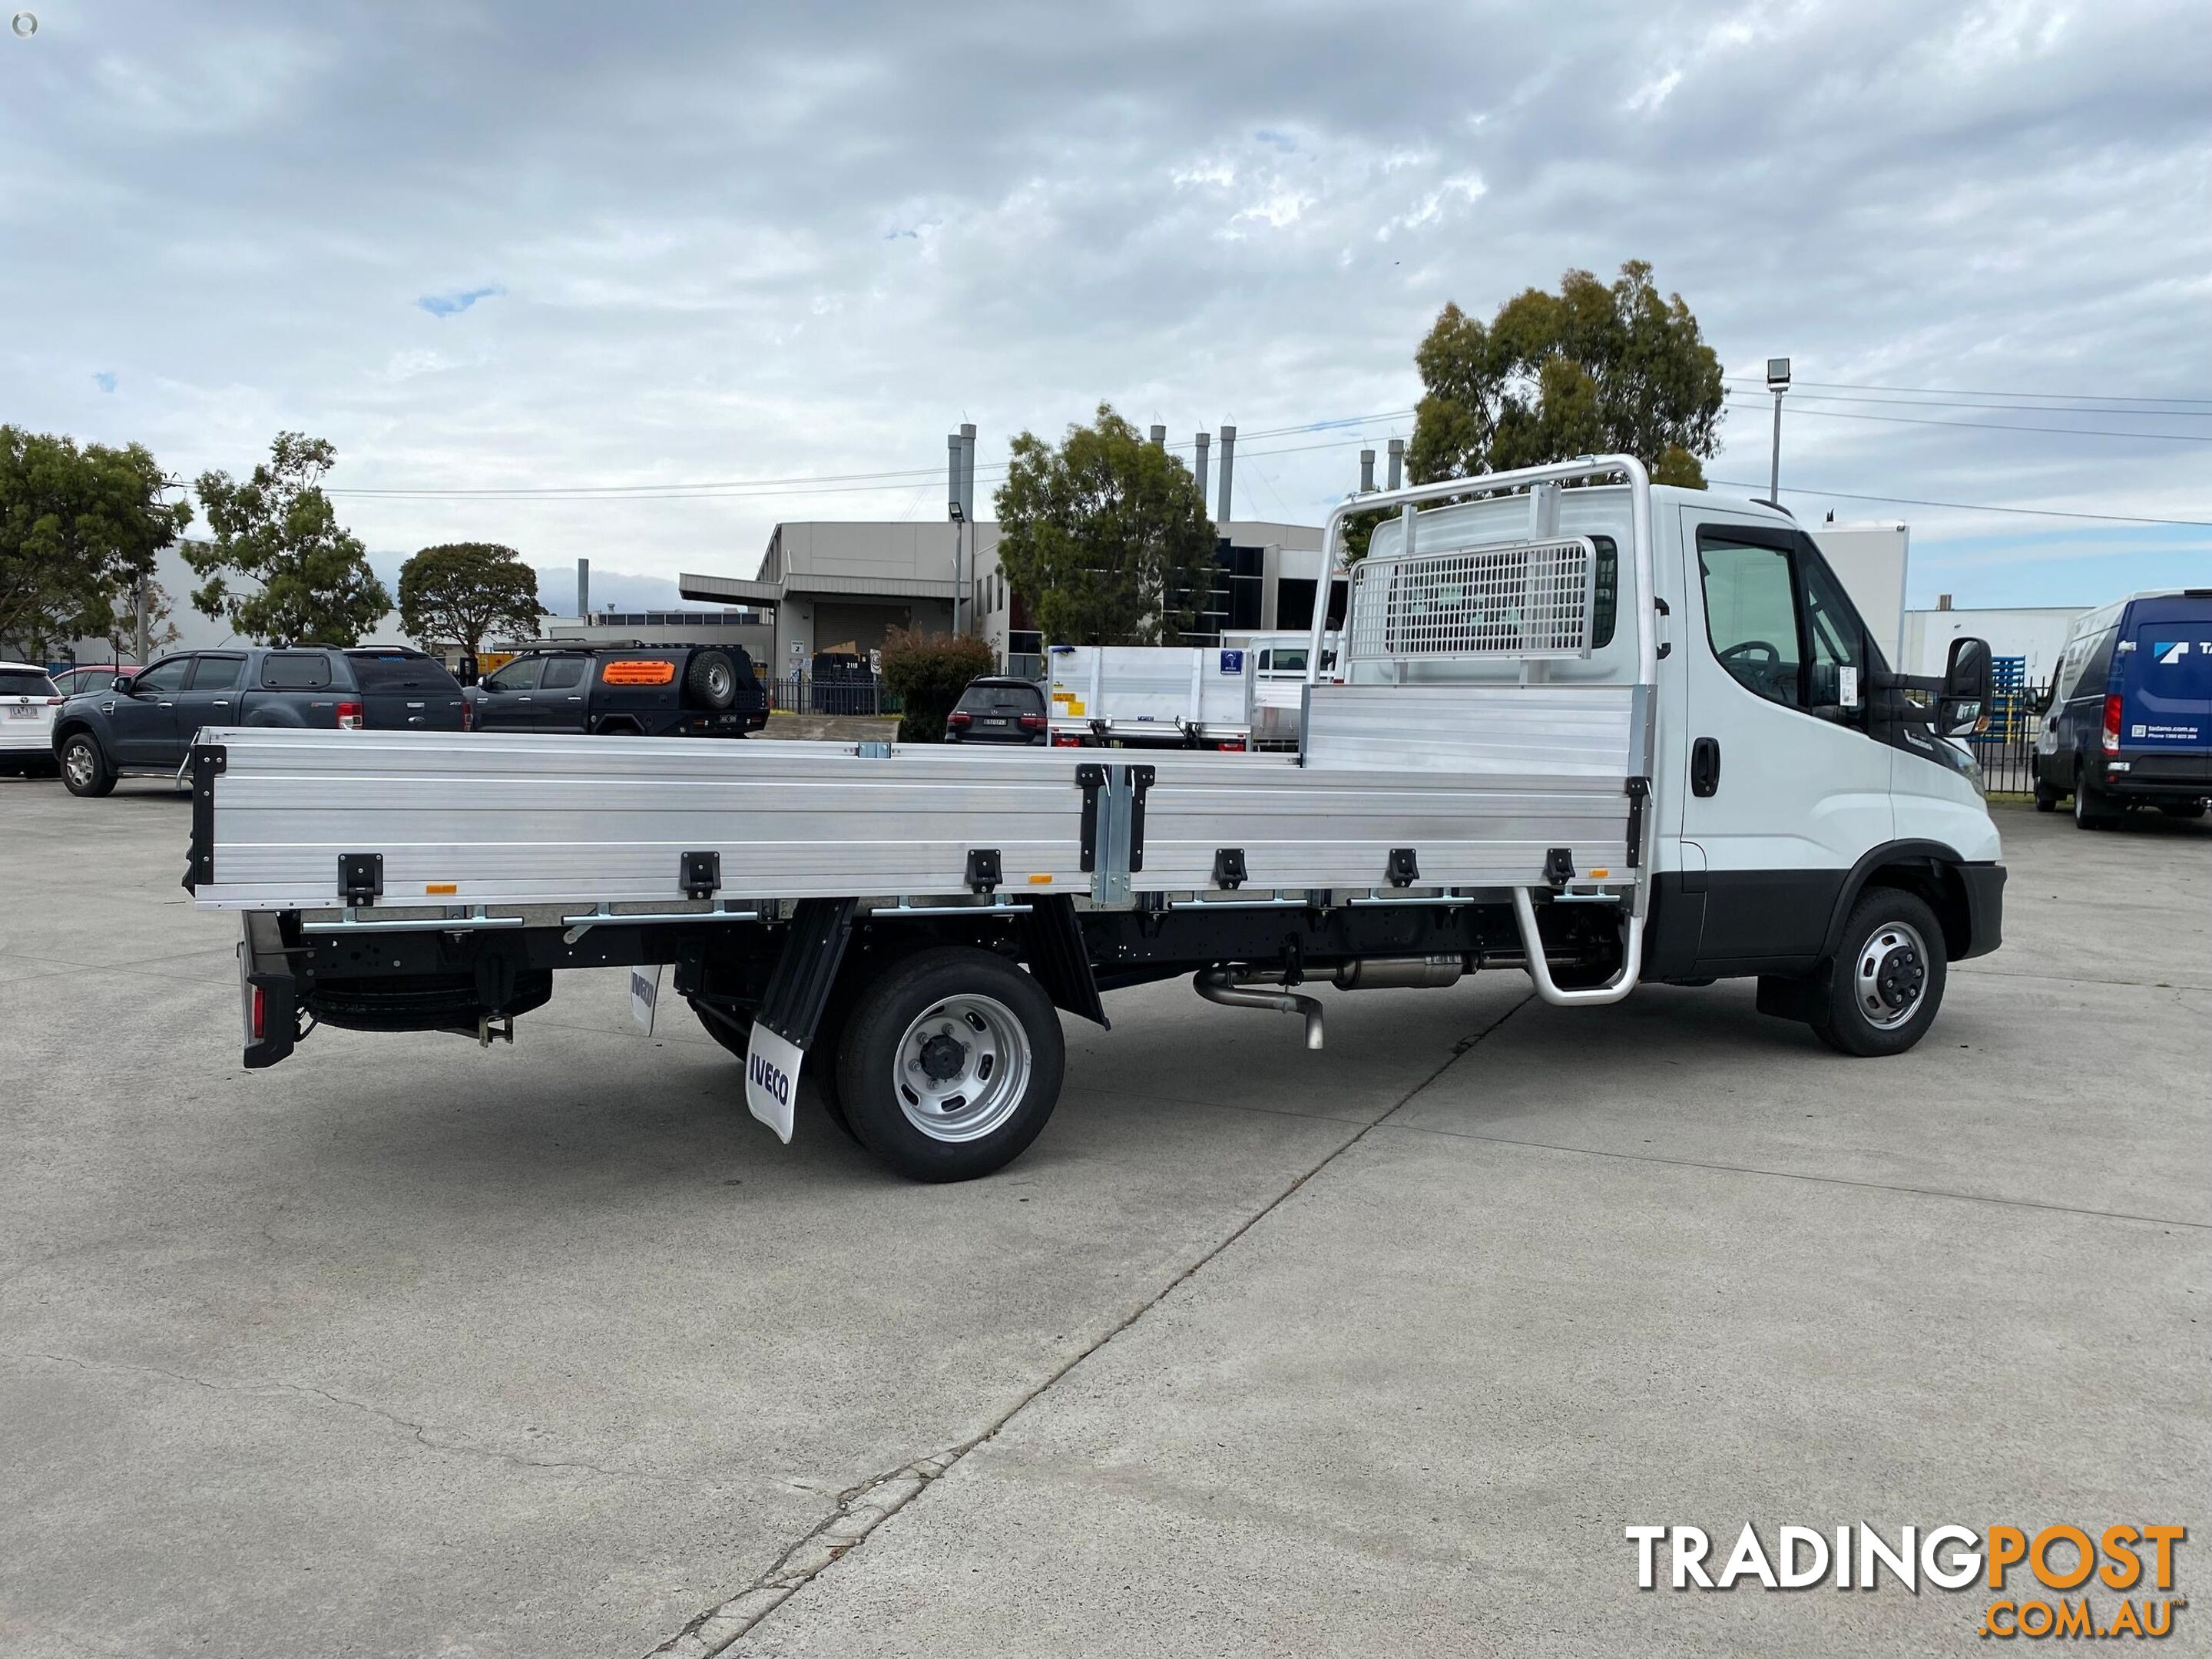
point(1705, 766)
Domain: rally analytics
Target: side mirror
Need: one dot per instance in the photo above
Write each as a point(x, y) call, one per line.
point(1965, 698)
point(120, 683)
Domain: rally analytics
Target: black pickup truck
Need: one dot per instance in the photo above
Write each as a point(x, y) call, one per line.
point(639, 691)
point(144, 722)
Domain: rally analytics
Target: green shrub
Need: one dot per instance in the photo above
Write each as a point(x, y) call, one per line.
point(929, 672)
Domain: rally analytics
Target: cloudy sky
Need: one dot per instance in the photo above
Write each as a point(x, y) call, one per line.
point(554, 246)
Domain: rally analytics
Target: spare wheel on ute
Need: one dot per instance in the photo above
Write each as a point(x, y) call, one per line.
point(712, 679)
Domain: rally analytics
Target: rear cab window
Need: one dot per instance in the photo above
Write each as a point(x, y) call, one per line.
point(296, 670)
point(400, 671)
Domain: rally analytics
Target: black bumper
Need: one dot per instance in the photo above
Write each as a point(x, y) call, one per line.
point(1985, 885)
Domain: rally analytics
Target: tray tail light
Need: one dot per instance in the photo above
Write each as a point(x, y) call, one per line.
point(349, 716)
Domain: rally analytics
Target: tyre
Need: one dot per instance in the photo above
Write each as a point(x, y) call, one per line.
point(712, 680)
point(950, 1064)
point(2182, 809)
point(1886, 980)
point(2046, 797)
point(85, 768)
point(735, 1033)
point(2093, 808)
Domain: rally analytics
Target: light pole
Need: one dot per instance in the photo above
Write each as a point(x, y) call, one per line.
point(1777, 382)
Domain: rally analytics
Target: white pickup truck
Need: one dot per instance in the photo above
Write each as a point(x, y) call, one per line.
point(1597, 734)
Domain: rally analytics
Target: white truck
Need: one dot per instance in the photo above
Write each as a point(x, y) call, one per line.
point(1598, 735)
point(1149, 696)
point(1281, 669)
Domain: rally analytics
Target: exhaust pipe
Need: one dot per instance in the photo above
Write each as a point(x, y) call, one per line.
point(1219, 985)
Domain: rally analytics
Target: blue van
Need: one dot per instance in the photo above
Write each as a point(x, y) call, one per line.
point(2128, 721)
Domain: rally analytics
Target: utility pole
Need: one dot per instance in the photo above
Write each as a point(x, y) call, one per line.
point(1777, 382)
point(955, 511)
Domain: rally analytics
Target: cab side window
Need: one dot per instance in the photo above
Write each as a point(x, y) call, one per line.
point(562, 674)
point(1751, 614)
point(217, 673)
point(167, 676)
point(521, 675)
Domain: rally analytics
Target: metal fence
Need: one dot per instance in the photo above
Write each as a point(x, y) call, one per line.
point(2005, 747)
point(805, 693)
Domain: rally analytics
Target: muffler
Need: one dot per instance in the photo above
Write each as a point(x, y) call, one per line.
point(1398, 973)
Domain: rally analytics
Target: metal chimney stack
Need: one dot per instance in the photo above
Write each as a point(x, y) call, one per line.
point(967, 471)
point(1228, 468)
point(1159, 437)
point(1205, 442)
point(583, 589)
point(1367, 472)
point(1397, 463)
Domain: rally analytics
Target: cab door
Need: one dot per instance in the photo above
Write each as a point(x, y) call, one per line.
point(560, 695)
point(210, 696)
point(507, 700)
point(1787, 788)
point(142, 721)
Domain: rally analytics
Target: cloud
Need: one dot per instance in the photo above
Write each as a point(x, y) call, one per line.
point(104, 380)
point(452, 305)
point(1241, 212)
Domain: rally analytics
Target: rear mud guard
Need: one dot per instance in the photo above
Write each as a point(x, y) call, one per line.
point(791, 1008)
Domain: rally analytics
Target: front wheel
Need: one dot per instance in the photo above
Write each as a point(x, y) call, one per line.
point(85, 769)
point(950, 1064)
point(1886, 981)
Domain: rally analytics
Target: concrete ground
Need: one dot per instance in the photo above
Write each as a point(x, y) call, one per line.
point(409, 1348)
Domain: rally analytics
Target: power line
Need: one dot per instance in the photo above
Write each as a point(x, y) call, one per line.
point(1977, 507)
point(1965, 391)
point(816, 485)
point(2015, 409)
point(1993, 426)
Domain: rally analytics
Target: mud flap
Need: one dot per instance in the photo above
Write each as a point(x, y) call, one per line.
point(790, 1009)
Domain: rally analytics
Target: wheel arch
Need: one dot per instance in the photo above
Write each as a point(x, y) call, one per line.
point(1927, 869)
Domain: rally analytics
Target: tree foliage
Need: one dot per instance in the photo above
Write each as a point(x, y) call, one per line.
point(1590, 370)
point(278, 530)
point(1104, 536)
point(465, 591)
point(929, 672)
point(79, 528)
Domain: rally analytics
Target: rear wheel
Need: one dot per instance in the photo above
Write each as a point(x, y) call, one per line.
point(1886, 981)
point(85, 768)
point(2047, 796)
point(950, 1064)
point(712, 679)
point(2093, 808)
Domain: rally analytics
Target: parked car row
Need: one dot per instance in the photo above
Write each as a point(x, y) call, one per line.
point(108, 725)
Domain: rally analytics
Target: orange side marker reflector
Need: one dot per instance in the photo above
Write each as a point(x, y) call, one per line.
point(441, 887)
point(1040, 881)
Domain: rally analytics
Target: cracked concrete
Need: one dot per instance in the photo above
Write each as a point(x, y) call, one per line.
point(407, 1348)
